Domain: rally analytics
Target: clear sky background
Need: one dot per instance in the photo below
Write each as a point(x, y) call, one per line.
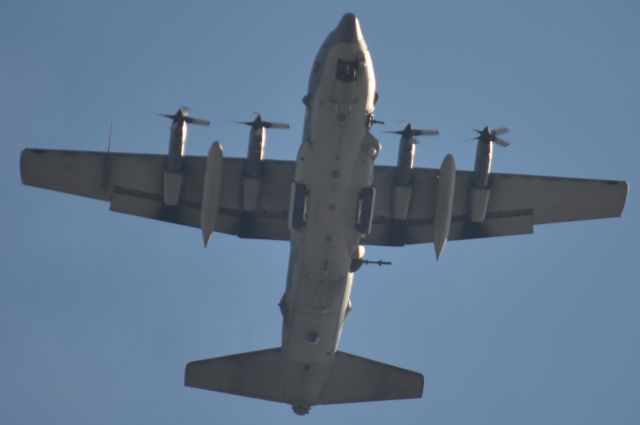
point(100, 312)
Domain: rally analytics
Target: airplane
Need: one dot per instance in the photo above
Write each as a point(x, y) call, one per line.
point(329, 203)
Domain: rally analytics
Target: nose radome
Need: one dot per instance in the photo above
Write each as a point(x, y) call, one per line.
point(348, 30)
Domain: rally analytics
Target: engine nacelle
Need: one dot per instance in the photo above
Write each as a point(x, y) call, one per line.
point(255, 153)
point(482, 169)
point(406, 152)
point(402, 189)
point(480, 191)
point(257, 140)
point(177, 142)
point(172, 178)
point(252, 183)
point(402, 179)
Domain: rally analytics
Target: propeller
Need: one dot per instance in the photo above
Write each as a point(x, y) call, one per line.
point(258, 123)
point(378, 262)
point(183, 116)
point(409, 131)
point(487, 135)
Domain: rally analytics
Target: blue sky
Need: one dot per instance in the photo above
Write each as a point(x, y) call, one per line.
point(99, 312)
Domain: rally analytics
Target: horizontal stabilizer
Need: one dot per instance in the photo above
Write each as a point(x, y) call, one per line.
point(258, 374)
point(353, 379)
point(266, 374)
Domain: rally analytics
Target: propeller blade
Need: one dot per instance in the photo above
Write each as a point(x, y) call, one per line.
point(282, 125)
point(181, 116)
point(501, 142)
point(425, 132)
point(258, 122)
point(500, 131)
point(415, 132)
point(196, 121)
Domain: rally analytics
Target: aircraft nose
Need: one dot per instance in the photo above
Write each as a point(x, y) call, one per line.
point(348, 29)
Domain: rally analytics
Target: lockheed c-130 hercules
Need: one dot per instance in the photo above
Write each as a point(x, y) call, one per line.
point(329, 203)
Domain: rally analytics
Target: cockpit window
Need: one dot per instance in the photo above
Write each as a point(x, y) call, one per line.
point(347, 71)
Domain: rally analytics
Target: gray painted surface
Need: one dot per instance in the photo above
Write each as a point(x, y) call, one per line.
point(313, 255)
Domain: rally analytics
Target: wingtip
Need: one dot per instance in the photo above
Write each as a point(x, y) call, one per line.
point(625, 195)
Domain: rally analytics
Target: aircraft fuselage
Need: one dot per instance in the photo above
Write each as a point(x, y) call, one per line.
point(334, 164)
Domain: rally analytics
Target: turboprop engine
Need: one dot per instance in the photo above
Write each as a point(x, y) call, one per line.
point(406, 151)
point(480, 190)
point(257, 140)
point(402, 184)
point(178, 137)
point(172, 178)
point(251, 183)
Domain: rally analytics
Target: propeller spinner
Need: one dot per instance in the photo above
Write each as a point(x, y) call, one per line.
point(487, 135)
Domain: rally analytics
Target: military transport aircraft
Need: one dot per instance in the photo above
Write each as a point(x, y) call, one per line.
point(329, 203)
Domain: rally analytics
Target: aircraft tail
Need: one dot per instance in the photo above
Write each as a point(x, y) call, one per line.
point(258, 374)
point(353, 379)
point(266, 374)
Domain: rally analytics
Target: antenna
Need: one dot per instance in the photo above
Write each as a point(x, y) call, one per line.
point(109, 142)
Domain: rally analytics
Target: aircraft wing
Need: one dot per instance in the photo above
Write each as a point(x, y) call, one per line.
point(516, 204)
point(133, 184)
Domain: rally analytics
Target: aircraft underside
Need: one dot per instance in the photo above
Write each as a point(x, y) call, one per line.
point(329, 203)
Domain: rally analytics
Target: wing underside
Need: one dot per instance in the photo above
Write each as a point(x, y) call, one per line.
point(133, 184)
point(516, 204)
